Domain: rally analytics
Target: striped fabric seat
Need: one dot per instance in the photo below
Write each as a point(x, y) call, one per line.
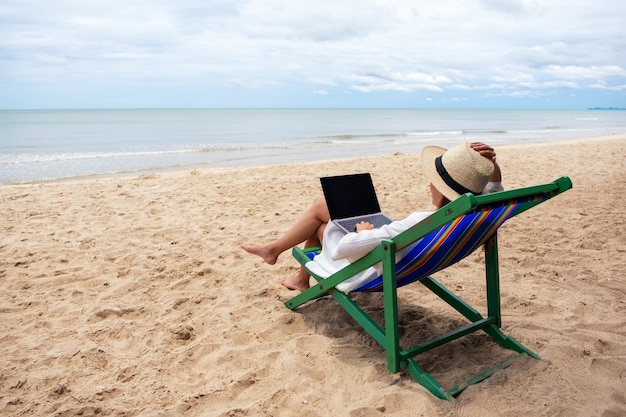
point(449, 244)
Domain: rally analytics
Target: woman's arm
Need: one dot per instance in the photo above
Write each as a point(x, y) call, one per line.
point(489, 153)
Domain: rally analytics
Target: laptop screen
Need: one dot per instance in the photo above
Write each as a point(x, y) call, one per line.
point(350, 195)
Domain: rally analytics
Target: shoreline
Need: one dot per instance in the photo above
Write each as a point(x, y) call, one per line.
point(130, 296)
point(198, 168)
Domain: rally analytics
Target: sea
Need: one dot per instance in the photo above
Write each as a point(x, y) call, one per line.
point(50, 145)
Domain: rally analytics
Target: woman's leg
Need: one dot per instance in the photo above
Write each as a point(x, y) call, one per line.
point(308, 229)
point(300, 281)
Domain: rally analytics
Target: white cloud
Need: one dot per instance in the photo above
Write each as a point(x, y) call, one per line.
point(334, 47)
point(578, 73)
point(506, 6)
point(601, 85)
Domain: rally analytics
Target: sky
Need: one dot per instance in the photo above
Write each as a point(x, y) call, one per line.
point(552, 54)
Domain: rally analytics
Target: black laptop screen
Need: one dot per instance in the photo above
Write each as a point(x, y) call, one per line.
point(350, 195)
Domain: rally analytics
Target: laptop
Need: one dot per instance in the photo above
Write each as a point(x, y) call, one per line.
point(352, 199)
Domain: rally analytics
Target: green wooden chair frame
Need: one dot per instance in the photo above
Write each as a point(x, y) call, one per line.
point(399, 359)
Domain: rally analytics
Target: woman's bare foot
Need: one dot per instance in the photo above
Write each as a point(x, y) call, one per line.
point(297, 282)
point(268, 256)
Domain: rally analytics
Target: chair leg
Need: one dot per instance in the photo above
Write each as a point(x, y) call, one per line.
point(492, 271)
point(508, 342)
point(390, 298)
point(426, 380)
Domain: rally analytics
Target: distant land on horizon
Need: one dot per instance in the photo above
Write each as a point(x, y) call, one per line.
point(606, 108)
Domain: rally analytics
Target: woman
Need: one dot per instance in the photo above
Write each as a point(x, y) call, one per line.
point(464, 168)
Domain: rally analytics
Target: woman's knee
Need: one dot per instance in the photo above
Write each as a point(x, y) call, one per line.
point(321, 209)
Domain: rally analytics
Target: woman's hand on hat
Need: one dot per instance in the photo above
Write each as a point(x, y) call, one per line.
point(484, 150)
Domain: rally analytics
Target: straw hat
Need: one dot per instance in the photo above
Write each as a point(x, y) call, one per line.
point(457, 170)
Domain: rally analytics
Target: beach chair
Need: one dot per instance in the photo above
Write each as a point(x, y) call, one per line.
point(444, 238)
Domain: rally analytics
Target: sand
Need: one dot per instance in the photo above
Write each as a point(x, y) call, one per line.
point(131, 297)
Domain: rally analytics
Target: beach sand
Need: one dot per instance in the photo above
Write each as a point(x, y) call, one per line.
point(131, 297)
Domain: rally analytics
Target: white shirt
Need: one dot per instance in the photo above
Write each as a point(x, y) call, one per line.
point(340, 249)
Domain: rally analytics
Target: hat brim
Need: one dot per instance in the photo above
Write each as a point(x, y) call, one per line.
point(428, 155)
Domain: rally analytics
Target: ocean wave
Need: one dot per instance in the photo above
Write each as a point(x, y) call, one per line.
point(23, 158)
point(13, 158)
point(430, 133)
point(349, 137)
